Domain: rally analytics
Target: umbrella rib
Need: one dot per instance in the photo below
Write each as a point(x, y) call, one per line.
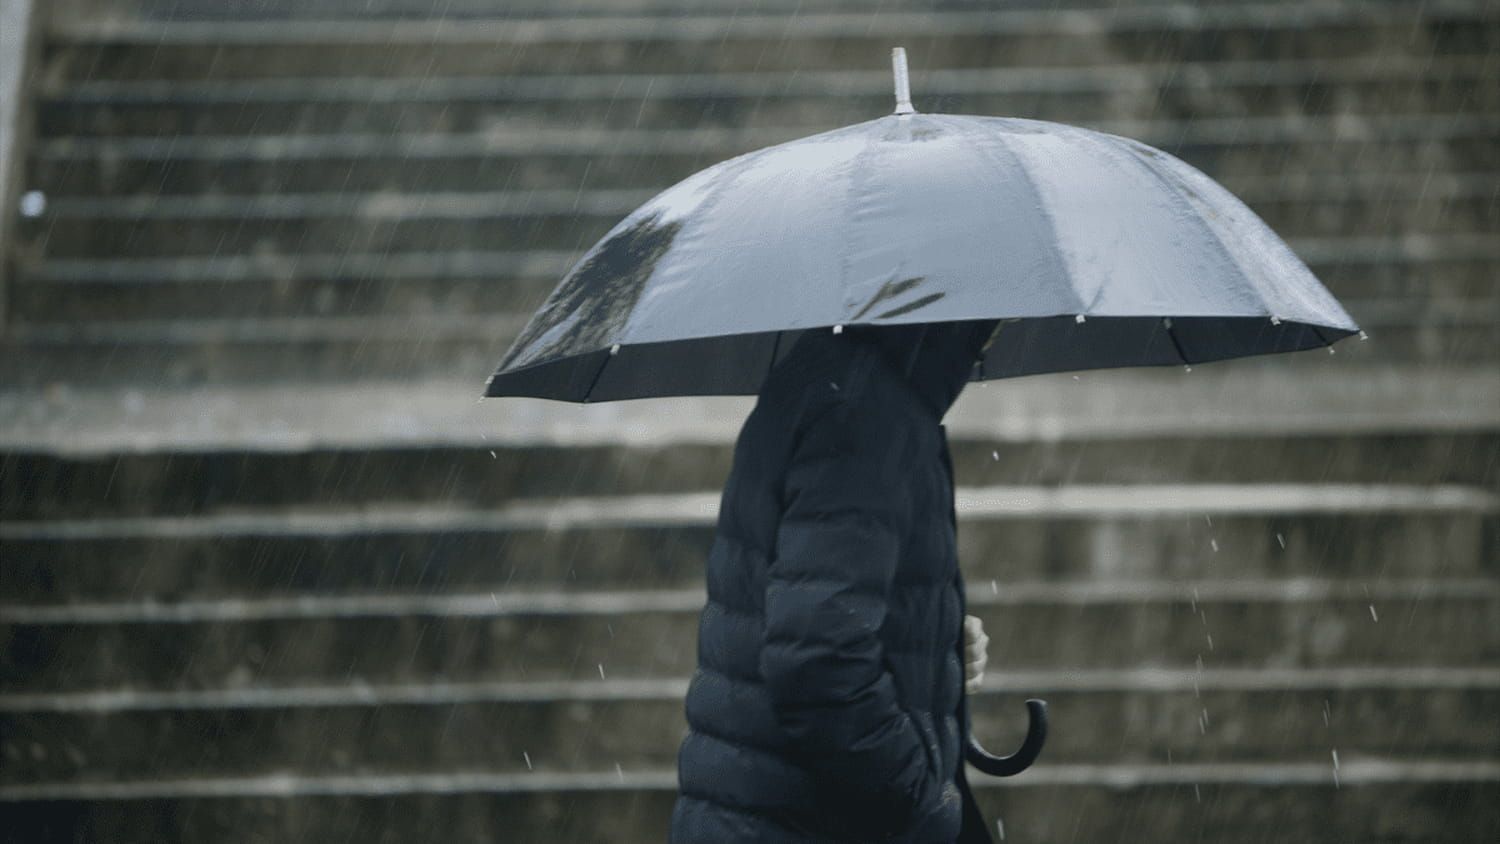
point(775, 347)
point(602, 364)
point(1177, 345)
point(1319, 335)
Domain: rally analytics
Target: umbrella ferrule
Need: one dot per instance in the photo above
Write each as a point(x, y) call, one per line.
point(903, 83)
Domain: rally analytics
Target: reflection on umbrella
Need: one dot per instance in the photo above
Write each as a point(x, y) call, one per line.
point(1094, 250)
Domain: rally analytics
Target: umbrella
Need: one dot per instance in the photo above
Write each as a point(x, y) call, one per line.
point(1095, 249)
point(1092, 249)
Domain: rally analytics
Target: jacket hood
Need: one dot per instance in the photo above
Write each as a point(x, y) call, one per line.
point(936, 359)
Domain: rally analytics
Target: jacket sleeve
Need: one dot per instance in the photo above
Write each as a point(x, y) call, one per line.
point(845, 509)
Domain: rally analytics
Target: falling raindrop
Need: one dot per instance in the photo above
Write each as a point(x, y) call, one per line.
point(1281, 540)
point(33, 204)
point(527, 757)
point(1214, 543)
point(1000, 828)
point(601, 671)
point(995, 455)
point(1373, 616)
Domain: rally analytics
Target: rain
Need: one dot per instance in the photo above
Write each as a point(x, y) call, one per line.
point(373, 374)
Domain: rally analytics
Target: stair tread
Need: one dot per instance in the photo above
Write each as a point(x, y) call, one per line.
point(356, 693)
point(622, 602)
point(1352, 771)
point(1144, 77)
point(1384, 186)
point(722, 142)
point(706, 27)
point(298, 416)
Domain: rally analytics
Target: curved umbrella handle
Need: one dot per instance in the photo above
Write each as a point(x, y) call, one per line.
point(1031, 748)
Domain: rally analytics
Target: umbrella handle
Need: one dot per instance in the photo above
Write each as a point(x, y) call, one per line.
point(1031, 748)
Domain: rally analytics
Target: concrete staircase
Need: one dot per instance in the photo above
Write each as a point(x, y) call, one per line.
point(268, 572)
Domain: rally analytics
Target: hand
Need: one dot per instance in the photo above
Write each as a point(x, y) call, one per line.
point(976, 655)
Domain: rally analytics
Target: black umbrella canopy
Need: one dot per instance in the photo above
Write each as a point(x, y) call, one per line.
point(1091, 249)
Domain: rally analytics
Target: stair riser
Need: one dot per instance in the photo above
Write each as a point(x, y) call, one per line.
point(313, 10)
point(89, 174)
point(87, 364)
point(35, 486)
point(126, 238)
point(1435, 282)
point(44, 301)
point(1453, 92)
point(1395, 545)
point(1232, 813)
point(1452, 631)
point(1399, 36)
point(579, 735)
point(111, 360)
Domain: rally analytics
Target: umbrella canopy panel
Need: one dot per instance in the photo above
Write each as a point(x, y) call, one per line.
point(1097, 251)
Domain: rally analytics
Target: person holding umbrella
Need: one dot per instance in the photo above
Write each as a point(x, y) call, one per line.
point(826, 704)
point(854, 281)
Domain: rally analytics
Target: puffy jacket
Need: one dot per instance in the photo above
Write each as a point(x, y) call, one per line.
point(826, 701)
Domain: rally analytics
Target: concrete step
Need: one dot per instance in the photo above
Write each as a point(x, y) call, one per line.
point(301, 10)
point(1419, 285)
point(1377, 801)
point(1232, 150)
point(1391, 800)
point(1372, 85)
point(493, 636)
point(151, 353)
point(91, 49)
point(75, 291)
point(123, 232)
point(173, 480)
point(1231, 399)
point(89, 298)
point(422, 549)
point(1251, 716)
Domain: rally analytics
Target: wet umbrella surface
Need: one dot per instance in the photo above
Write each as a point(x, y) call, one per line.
point(1097, 251)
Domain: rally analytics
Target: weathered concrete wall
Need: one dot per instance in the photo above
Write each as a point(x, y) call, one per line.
point(18, 26)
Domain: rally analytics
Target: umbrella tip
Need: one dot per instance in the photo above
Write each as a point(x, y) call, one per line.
point(903, 84)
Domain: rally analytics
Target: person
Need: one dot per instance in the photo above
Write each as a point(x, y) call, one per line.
point(827, 700)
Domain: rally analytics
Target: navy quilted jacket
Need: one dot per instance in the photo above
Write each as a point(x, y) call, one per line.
point(826, 703)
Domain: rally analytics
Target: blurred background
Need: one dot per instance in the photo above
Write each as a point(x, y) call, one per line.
point(269, 571)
